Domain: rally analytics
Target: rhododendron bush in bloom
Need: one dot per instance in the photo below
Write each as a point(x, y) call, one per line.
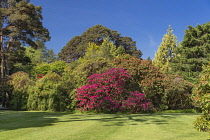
point(110, 92)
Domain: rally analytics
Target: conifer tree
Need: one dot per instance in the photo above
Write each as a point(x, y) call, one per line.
point(193, 53)
point(20, 24)
point(165, 51)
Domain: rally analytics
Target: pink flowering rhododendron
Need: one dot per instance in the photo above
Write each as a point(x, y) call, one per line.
point(107, 92)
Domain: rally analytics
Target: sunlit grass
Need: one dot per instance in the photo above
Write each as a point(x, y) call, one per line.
point(64, 126)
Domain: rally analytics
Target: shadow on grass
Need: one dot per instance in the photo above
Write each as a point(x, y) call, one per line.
point(10, 120)
point(126, 119)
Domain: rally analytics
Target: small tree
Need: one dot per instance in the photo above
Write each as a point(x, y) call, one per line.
point(165, 51)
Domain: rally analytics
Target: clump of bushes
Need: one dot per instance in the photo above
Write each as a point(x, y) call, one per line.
point(19, 83)
point(110, 92)
point(201, 98)
point(47, 94)
point(163, 90)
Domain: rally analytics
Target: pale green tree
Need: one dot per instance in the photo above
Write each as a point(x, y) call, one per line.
point(165, 51)
point(106, 50)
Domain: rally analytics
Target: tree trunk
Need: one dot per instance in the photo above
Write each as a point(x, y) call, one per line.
point(3, 67)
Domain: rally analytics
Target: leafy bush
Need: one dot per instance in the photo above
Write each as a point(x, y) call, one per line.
point(160, 89)
point(150, 80)
point(109, 92)
point(57, 67)
point(178, 92)
point(201, 98)
point(136, 102)
point(80, 73)
point(20, 83)
point(48, 94)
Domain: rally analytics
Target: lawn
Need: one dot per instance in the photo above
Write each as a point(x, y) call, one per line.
point(21, 125)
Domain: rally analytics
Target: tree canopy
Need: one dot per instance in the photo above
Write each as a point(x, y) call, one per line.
point(20, 24)
point(76, 47)
point(193, 53)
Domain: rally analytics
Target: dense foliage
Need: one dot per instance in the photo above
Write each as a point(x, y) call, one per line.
point(100, 70)
point(76, 47)
point(48, 94)
point(20, 83)
point(111, 92)
point(20, 24)
point(193, 53)
point(202, 100)
point(158, 87)
point(43, 68)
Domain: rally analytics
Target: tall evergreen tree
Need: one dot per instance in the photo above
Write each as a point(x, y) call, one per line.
point(193, 53)
point(76, 47)
point(20, 24)
point(165, 51)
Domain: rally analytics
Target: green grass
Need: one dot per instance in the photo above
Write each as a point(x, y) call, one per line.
point(64, 126)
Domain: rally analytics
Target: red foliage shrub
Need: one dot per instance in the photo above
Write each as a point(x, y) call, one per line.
point(109, 92)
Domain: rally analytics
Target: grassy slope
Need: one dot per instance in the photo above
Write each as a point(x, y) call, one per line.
point(63, 126)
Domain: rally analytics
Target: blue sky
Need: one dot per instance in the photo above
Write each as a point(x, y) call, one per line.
point(145, 21)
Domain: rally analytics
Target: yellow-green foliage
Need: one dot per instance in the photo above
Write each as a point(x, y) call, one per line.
point(20, 83)
point(92, 51)
point(107, 50)
point(165, 52)
point(201, 98)
point(34, 55)
point(44, 68)
point(84, 70)
point(47, 94)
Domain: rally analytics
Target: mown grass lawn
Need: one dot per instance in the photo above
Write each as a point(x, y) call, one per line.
point(21, 125)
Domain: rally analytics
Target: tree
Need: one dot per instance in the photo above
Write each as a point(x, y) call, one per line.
point(193, 53)
point(34, 55)
point(44, 68)
point(165, 51)
point(48, 55)
point(76, 47)
point(106, 50)
point(20, 23)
